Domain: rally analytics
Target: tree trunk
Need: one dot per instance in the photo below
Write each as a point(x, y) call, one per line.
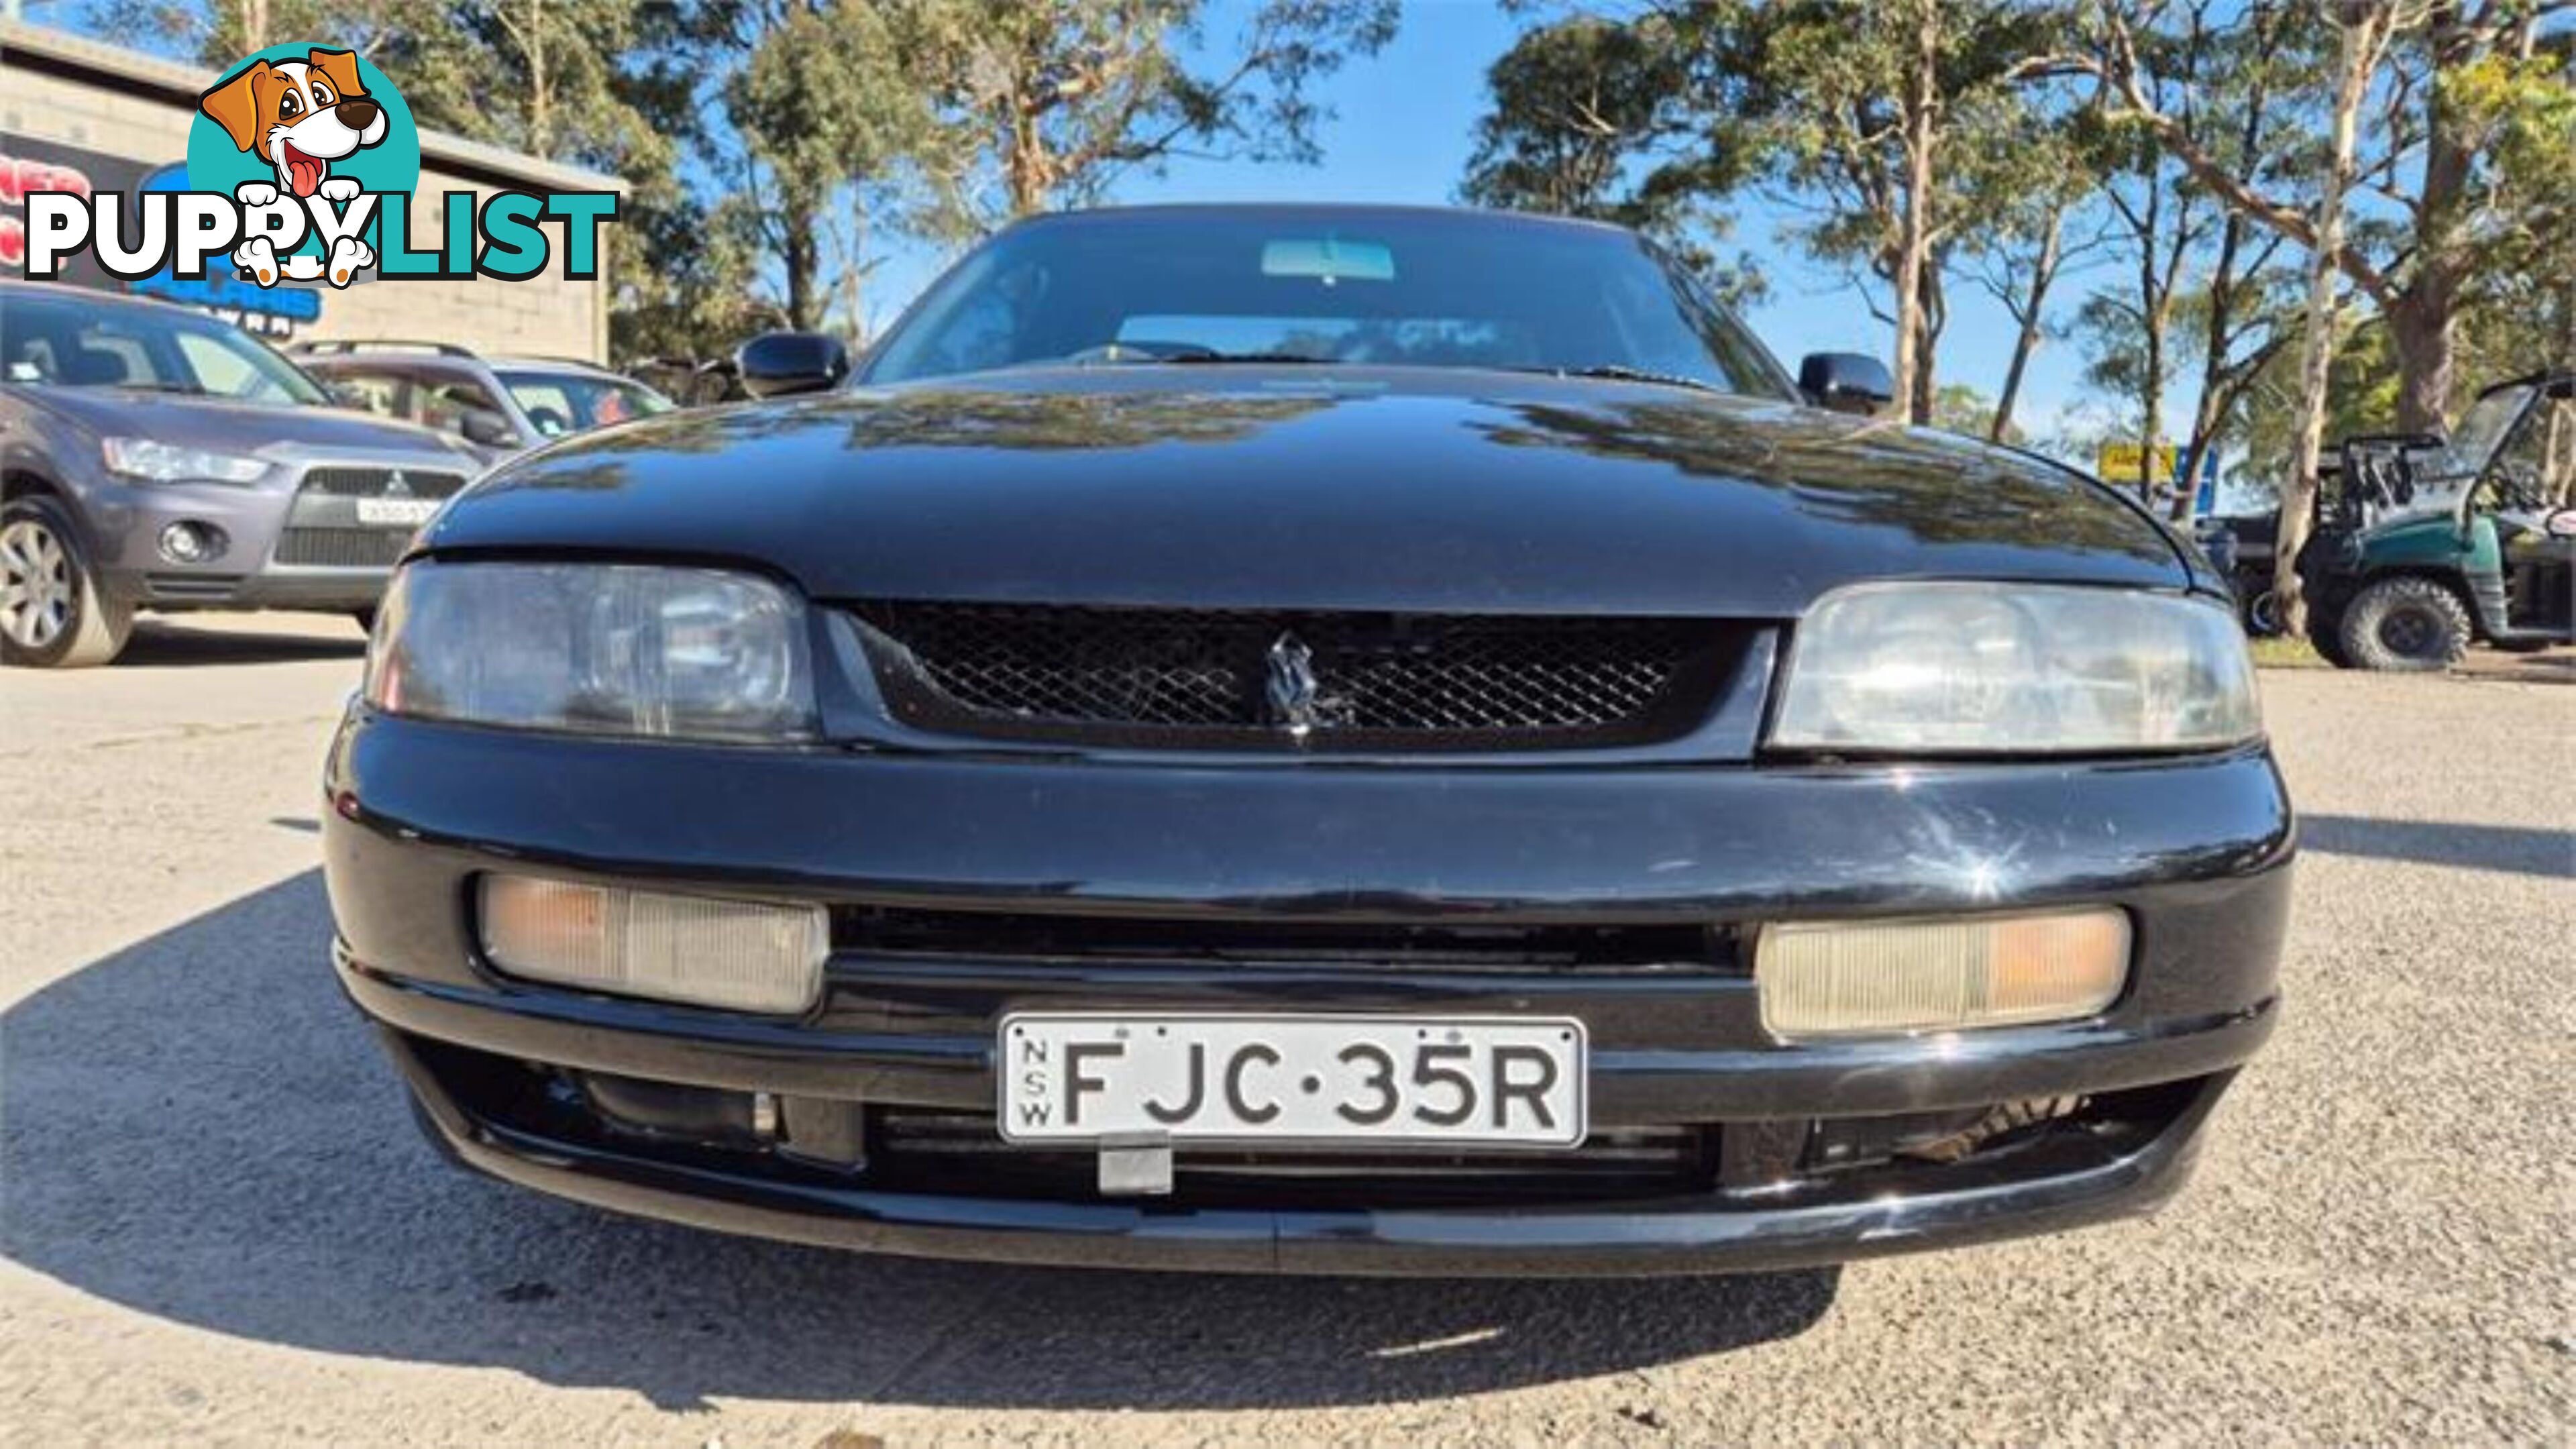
point(2209, 413)
point(541, 137)
point(1027, 167)
point(1914, 241)
point(1928, 316)
point(2421, 325)
point(800, 256)
point(2423, 318)
point(2363, 31)
point(2043, 275)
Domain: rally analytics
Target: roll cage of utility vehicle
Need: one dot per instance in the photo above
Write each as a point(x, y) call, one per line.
point(2425, 543)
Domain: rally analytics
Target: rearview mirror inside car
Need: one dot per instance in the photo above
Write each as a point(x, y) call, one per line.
point(775, 364)
point(1847, 382)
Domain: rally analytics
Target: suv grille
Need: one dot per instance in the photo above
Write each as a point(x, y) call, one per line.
point(324, 530)
point(377, 482)
point(1246, 678)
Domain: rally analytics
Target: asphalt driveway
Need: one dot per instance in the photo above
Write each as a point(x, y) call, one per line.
point(216, 1222)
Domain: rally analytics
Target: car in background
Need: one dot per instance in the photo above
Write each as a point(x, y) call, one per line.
point(155, 458)
point(2427, 543)
point(495, 406)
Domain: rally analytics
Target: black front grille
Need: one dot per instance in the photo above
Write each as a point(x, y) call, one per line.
point(1323, 679)
point(342, 547)
point(925, 1150)
point(378, 482)
point(1611, 947)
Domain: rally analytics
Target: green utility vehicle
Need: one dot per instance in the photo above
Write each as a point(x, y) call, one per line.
point(2425, 544)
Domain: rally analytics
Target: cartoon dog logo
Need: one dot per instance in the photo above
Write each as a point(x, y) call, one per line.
point(299, 116)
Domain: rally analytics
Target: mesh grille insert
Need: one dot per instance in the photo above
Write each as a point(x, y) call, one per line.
point(1239, 678)
point(342, 547)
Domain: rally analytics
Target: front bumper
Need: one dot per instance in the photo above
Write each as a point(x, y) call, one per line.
point(2196, 850)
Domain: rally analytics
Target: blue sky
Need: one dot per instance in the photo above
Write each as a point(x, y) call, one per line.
point(1404, 127)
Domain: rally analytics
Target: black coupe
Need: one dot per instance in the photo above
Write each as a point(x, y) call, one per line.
point(1324, 739)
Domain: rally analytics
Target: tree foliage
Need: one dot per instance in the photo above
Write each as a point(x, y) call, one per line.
point(1054, 102)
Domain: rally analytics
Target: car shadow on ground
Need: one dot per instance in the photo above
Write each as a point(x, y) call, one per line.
point(158, 644)
point(2515, 849)
point(198, 1127)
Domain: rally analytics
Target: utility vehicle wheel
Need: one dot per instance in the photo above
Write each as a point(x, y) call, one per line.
point(2329, 645)
point(52, 615)
point(2405, 624)
point(2262, 614)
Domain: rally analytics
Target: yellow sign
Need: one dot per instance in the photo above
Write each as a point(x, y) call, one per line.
point(2119, 462)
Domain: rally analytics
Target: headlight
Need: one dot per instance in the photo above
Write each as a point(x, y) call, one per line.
point(160, 462)
point(1974, 668)
point(664, 653)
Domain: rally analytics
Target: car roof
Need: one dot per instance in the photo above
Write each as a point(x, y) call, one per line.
point(73, 291)
point(1312, 211)
point(419, 358)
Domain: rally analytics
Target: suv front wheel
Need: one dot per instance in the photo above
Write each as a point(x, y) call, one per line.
point(2405, 624)
point(52, 613)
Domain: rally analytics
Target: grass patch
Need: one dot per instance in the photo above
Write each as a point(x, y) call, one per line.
point(2282, 652)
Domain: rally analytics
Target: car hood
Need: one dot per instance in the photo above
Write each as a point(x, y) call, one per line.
point(235, 427)
point(1400, 489)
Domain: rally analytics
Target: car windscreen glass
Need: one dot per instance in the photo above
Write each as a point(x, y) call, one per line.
point(1428, 289)
point(70, 342)
point(2482, 429)
point(571, 402)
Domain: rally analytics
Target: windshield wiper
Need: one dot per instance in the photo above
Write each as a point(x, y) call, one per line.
point(1621, 372)
point(1221, 359)
point(1119, 354)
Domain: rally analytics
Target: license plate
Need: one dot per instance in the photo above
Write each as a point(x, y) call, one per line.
point(396, 512)
point(1078, 1077)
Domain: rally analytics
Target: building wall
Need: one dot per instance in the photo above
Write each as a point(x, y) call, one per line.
point(549, 315)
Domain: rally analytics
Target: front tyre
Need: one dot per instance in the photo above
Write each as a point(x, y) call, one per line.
point(53, 615)
point(2261, 612)
point(2405, 624)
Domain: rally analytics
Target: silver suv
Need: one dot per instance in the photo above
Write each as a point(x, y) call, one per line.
point(155, 458)
point(495, 405)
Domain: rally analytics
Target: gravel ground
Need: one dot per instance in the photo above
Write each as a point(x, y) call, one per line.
point(218, 1224)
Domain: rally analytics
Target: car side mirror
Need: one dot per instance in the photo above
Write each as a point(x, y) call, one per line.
point(347, 395)
point(1847, 382)
point(488, 428)
point(776, 364)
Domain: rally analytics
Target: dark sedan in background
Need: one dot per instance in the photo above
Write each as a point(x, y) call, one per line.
point(1315, 739)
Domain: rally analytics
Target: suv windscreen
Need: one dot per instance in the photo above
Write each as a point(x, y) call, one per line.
point(68, 341)
point(1424, 289)
point(575, 402)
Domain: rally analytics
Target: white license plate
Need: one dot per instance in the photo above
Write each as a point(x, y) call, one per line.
point(396, 512)
point(1077, 1077)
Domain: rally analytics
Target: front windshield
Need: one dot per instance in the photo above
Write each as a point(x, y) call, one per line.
point(1426, 289)
point(2482, 429)
point(575, 402)
point(70, 341)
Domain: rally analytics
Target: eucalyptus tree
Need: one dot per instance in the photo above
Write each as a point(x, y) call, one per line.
point(1050, 103)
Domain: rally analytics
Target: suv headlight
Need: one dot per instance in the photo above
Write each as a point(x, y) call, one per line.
point(620, 649)
point(158, 462)
point(1978, 668)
